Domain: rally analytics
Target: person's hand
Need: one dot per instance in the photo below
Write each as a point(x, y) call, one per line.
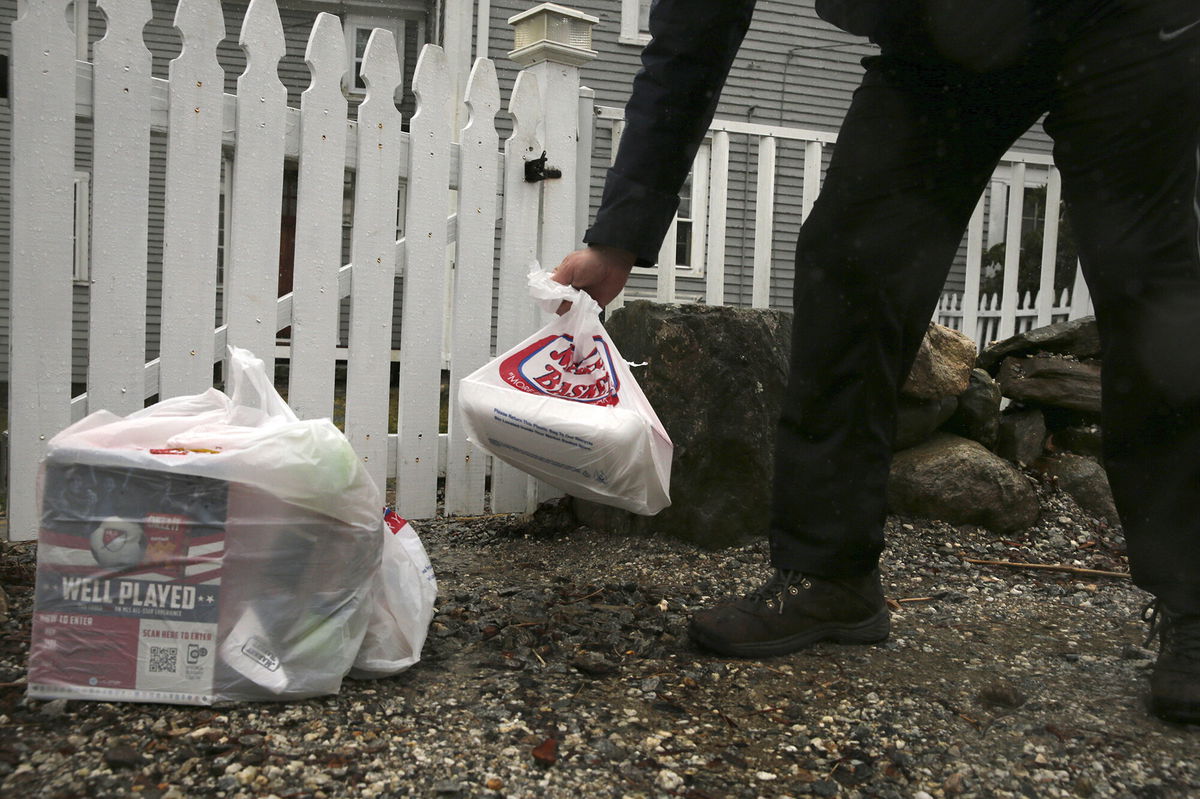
point(600, 271)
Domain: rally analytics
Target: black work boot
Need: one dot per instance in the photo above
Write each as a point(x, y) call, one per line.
point(791, 611)
point(1175, 681)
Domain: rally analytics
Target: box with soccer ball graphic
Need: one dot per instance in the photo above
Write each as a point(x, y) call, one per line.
point(129, 581)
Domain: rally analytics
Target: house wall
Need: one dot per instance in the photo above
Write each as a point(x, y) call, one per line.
point(793, 70)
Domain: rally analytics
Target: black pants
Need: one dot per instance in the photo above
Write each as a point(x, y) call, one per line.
point(1119, 81)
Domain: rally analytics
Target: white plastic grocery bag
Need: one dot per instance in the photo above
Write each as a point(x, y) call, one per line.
point(208, 548)
point(563, 406)
point(402, 605)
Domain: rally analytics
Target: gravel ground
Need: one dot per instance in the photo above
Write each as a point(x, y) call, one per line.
point(558, 666)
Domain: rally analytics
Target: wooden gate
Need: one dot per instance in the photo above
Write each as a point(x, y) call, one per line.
point(456, 185)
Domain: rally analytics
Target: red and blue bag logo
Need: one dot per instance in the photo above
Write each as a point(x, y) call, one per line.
point(546, 367)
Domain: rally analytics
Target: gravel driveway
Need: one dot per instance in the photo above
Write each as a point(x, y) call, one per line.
point(558, 666)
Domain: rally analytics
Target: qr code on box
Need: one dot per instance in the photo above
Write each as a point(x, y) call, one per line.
point(163, 659)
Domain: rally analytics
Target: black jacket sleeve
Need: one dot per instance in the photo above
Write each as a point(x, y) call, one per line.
point(684, 67)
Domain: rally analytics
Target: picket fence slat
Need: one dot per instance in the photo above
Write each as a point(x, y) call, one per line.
point(43, 120)
point(764, 223)
point(516, 316)
point(424, 287)
point(251, 290)
point(192, 201)
point(1049, 247)
point(667, 257)
point(970, 298)
point(813, 151)
point(714, 284)
point(318, 250)
point(373, 254)
point(121, 142)
point(466, 466)
point(1012, 251)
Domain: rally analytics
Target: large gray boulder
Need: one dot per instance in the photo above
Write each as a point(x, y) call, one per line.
point(957, 480)
point(716, 378)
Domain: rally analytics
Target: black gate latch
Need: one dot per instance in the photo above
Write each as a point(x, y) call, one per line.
point(536, 170)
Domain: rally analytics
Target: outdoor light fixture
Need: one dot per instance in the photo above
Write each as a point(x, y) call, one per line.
point(552, 32)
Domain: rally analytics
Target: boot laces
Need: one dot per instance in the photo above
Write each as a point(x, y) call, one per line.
point(782, 583)
point(1176, 634)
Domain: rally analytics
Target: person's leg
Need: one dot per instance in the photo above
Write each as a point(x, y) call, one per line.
point(913, 156)
point(1126, 125)
point(917, 146)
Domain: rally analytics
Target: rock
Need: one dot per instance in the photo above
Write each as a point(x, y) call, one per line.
point(943, 365)
point(1052, 381)
point(122, 756)
point(1085, 480)
point(715, 377)
point(977, 416)
point(959, 481)
point(1078, 337)
point(1001, 693)
point(54, 708)
point(916, 419)
point(1081, 440)
point(545, 754)
point(1022, 435)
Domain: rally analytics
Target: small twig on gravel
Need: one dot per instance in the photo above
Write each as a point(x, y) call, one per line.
point(13, 684)
point(1048, 567)
point(917, 599)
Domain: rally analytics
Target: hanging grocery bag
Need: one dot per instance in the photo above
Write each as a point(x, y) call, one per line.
point(563, 406)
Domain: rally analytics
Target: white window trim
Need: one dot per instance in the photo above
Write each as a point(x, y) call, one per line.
point(631, 32)
point(82, 266)
point(699, 218)
point(353, 23)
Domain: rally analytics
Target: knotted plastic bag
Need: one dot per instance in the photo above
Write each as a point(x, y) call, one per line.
point(208, 548)
point(563, 406)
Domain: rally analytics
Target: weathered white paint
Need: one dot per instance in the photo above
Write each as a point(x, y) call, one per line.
point(970, 305)
point(424, 287)
point(1012, 251)
point(251, 285)
point(718, 201)
point(516, 316)
point(318, 250)
point(193, 191)
point(373, 256)
point(559, 84)
point(1049, 247)
point(43, 174)
point(466, 465)
point(121, 141)
point(667, 255)
point(764, 223)
point(813, 151)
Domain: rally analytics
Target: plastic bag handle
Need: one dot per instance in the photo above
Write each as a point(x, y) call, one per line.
point(583, 313)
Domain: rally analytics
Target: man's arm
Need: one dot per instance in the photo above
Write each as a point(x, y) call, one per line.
point(693, 44)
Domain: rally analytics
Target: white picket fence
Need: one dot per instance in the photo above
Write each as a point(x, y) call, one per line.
point(997, 217)
point(124, 103)
point(989, 314)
